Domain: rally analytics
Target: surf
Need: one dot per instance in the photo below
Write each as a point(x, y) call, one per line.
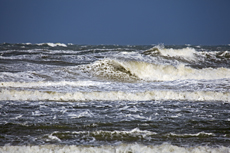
point(36, 95)
point(121, 148)
point(139, 70)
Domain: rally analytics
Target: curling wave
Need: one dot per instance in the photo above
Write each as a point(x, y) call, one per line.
point(184, 53)
point(139, 70)
point(198, 58)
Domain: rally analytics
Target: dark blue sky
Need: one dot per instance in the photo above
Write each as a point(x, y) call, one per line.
point(198, 22)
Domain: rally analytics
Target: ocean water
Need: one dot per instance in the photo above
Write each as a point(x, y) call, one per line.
point(109, 98)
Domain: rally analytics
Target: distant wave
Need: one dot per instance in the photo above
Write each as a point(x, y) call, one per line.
point(53, 44)
point(198, 58)
point(186, 53)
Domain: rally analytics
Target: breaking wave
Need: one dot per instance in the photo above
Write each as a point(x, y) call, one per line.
point(53, 44)
point(50, 84)
point(197, 58)
point(185, 53)
point(139, 70)
point(116, 136)
point(121, 148)
point(114, 95)
point(98, 98)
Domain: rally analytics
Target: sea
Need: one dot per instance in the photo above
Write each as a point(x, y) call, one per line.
point(70, 98)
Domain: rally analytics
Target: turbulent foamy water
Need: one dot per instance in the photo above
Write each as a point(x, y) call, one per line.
point(108, 98)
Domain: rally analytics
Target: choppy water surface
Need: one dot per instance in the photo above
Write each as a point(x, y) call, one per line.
point(59, 97)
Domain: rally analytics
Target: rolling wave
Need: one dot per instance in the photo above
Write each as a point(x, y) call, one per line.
point(139, 70)
point(96, 98)
point(197, 58)
point(121, 148)
point(185, 53)
point(37, 95)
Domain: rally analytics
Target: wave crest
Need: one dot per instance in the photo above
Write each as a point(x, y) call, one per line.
point(139, 70)
point(122, 148)
point(109, 69)
point(187, 53)
point(114, 95)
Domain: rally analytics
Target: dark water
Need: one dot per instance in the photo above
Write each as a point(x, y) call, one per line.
point(114, 98)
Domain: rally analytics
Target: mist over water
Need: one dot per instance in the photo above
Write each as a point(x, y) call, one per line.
point(110, 97)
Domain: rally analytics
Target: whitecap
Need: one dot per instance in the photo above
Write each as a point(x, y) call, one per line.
point(53, 44)
point(115, 95)
point(121, 148)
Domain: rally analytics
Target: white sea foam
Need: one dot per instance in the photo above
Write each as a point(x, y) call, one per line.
point(136, 132)
point(86, 113)
point(54, 138)
point(185, 53)
point(114, 95)
point(152, 72)
point(50, 84)
point(122, 148)
point(192, 135)
point(53, 44)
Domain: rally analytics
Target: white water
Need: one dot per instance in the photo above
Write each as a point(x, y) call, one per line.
point(122, 148)
point(53, 44)
point(158, 94)
point(117, 69)
point(50, 84)
point(114, 95)
point(152, 72)
point(186, 53)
